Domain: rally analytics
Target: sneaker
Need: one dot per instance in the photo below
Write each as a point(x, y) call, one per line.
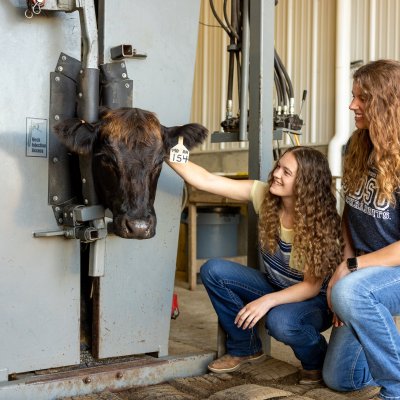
point(310, 377)
point(228, 363)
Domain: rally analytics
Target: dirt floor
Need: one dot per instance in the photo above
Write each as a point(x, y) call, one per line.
point(195, 330)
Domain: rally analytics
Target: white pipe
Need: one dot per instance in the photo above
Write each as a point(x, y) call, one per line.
point(289, 47)
point(342, 86)
point(372, 29)
point(314, 73)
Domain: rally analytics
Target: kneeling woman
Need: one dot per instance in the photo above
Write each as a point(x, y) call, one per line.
point(300, 243)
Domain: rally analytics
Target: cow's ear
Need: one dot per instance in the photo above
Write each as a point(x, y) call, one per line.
point(77, 135)
point(193, 135)
point(103, 111)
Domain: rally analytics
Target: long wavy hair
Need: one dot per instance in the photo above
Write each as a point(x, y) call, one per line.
point(379, 145)
point(317, 239)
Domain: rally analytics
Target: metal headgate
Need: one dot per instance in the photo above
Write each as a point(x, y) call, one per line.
point(41, 277)
point(150, 45)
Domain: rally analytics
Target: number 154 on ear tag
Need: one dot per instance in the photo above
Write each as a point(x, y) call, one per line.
point(179, 153)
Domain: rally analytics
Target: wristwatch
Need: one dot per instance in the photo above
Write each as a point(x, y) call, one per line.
point(352, 264)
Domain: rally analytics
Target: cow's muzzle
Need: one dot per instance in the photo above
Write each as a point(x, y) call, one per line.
point(134, 228)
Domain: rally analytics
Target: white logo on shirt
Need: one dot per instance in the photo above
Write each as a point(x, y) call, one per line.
point(366, 199)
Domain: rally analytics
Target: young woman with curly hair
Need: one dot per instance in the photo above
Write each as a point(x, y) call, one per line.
point(300, 242)
point(364, 292)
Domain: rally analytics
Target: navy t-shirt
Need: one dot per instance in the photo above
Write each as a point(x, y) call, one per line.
point(373, 224)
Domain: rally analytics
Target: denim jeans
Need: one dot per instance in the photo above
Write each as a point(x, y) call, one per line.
point(231, 286)
point(366, 351)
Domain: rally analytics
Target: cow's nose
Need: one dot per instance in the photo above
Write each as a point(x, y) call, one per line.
point(134, 228)
point(141, 229)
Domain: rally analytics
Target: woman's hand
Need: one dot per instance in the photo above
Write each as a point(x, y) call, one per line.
point(250, 314)
point(336, 322)
point(341, 271)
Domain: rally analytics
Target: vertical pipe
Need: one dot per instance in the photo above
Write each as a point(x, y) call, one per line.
point(244, 89)
point(314, 74)
point(261, 82)
point(207, 121)
point(88, 105)
point(289, 49)
point(342, 86)
point(372, 30)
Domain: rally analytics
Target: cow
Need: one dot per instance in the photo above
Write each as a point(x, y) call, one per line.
point(128, 147)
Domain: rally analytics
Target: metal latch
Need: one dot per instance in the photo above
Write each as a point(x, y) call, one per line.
point(76, 224)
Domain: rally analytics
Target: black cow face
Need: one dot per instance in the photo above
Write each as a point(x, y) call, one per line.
point(128, 146)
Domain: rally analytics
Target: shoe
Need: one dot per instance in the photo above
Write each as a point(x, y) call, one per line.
point(310, 377)
point(228, 363)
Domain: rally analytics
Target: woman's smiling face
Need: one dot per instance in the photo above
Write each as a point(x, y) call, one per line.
point(358, 106)
point(284, 176)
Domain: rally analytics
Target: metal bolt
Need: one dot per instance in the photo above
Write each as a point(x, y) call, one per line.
point(86, 201)
point(55, 160)
point(127, 85)
point(81, 71)
point(57, 79)
point(56, 117)
point(55, 198)
point(122, 65)
point(83, 180)
point(65, 215)
point(60, 220)
point(60, 68)
point(57, 209)
point(71, 215)
point(87, 380)
point(80, 94)
point(63, 58)
point(119, 375)
point(124, 75)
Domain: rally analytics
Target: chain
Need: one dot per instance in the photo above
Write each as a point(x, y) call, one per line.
point(34, 7)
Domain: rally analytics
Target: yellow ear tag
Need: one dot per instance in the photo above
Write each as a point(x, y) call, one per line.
point(179, 153)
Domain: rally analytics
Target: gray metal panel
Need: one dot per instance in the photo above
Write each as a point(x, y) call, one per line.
point(167, 32)
point(39, 286)
point(136, 291)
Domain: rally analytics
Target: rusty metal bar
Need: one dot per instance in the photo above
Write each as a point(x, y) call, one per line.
point(145, 370)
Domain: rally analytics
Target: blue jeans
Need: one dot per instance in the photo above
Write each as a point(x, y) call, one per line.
point(231, 286)
point(366, 351)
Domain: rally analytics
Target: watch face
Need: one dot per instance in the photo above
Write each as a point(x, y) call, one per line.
point(352, 264)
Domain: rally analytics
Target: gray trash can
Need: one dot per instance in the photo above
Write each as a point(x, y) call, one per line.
point(217, 231)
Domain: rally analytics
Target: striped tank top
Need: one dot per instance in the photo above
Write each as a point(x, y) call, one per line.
point(280, 268)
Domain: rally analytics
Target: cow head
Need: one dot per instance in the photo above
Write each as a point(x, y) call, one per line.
point(128, 146)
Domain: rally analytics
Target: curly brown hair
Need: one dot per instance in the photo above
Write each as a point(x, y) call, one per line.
point(379, 145)
point(317, 239)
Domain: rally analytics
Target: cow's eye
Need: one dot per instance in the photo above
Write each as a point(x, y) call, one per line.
point(107, 159)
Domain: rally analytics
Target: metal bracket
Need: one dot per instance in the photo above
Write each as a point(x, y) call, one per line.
point(219, 137)
point(62, 106)
point(125, 51)
point(74, 215)
point(116, 88)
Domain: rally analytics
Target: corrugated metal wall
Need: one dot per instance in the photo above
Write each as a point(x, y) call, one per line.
point(305, 39)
